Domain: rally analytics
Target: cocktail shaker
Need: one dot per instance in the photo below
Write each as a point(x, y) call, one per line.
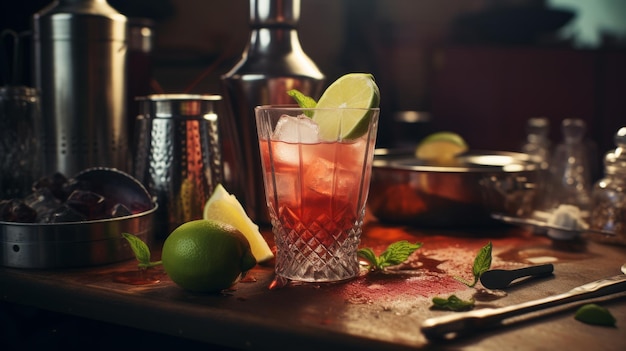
point(272, 63)
point(80, 51)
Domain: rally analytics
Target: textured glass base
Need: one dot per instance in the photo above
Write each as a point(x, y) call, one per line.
point(315, 254)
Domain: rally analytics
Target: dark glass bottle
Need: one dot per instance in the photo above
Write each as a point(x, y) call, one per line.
point(272, 63)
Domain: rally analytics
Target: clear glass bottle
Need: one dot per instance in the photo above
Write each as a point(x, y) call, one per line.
point(537, 142)
point(608, 209)
point(570, 168)
point(538, 146)
point(272, 63)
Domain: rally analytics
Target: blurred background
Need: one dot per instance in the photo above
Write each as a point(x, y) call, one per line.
point(481, 68)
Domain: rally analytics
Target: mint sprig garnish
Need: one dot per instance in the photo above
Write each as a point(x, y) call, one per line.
point(482, 263)
point(452, 303)
point(141, 251)
point(303, 101)
point(395, 254)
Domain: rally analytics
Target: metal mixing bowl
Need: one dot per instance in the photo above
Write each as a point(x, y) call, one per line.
point(66, 245)
point(85, 243)
point(405, 190)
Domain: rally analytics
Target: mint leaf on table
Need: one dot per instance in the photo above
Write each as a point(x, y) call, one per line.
point(141, 251)
point(595, 314)
point(395, 254)
point(452, 303)
point(482, 263)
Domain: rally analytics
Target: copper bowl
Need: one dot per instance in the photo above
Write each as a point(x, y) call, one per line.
point(405, 190)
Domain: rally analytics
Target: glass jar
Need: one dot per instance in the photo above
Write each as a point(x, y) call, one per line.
point(608, 210)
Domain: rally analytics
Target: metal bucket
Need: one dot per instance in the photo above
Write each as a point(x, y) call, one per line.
point(88, 242)
point(69, 245)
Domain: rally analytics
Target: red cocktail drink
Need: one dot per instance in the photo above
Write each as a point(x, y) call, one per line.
point(316, 192)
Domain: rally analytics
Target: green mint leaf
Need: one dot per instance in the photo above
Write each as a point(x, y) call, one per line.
point(141, 251)
point(368, 255)
point(397, 253)
point(595, 314)
point(303, 101)
point(452, 303)
point(482, 263)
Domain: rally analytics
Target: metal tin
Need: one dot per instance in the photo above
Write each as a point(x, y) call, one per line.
point(80, 54)
point(68, 245)
point(86, 243)
point(178, 155)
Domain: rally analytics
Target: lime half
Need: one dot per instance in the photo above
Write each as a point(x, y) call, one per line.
point(440, 147)
point(354, 92)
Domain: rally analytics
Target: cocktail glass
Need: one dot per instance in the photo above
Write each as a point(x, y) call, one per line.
point(316, 191)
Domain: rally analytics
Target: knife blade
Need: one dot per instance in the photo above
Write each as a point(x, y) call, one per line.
point(453, 325)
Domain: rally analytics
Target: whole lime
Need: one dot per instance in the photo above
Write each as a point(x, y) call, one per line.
point(206, 256)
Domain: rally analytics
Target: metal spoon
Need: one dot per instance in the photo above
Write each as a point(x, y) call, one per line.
point(557, 231)
point(501, 278)
point(452, 325)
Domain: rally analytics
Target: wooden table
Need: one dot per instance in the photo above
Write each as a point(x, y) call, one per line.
point(371, 312)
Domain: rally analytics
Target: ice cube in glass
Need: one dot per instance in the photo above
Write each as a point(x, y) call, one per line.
point(300, 129)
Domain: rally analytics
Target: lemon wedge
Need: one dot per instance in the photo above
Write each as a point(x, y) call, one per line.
point(224, 207)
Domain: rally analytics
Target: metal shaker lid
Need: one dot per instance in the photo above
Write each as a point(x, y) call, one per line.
point(178, 105)
point(87, 20)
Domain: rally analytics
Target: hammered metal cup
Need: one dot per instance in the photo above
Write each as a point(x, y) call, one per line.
point(178, 155)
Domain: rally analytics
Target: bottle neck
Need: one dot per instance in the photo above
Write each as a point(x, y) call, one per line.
point(274, 13)
point(274, 47)
point(274, 41)
point(273, 31)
